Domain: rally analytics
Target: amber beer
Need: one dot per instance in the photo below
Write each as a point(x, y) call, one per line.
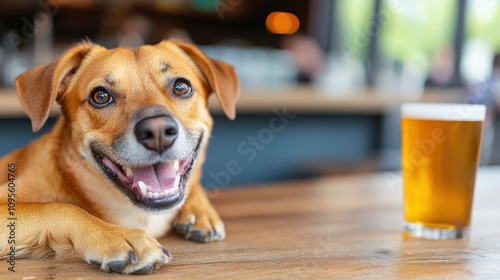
point(440, 154)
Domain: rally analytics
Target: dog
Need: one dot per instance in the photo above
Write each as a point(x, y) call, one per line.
point(122, 164)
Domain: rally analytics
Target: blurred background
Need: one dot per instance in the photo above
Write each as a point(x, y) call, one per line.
point(322, 80)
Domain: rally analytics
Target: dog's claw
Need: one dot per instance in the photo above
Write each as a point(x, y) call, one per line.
point(193, 233)
point(94, 262)
point(132, 257)
point(198, 236)
point(214, 235)
point(118, 266)
point(132, 262)
point(145, 270)
point(183, 229)
point(167, 252)
point(200, 223)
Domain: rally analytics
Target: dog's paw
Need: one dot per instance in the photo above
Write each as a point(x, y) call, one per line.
point(200, 225)
point(125, 250)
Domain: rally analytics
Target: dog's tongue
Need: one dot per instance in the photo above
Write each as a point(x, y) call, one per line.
point(158, 177)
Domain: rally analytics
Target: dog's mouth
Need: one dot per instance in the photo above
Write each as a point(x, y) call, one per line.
point(155, 187)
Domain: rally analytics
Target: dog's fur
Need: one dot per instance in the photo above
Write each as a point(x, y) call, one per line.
point(66, 202)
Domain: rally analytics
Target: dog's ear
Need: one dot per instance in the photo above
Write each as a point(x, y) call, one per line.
point(220, 75)
point(39, 87)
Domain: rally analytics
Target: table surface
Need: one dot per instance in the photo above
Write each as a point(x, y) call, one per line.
point(326, 228)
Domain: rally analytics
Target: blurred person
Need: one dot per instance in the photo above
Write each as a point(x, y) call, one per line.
point(442, 67)
point(488, 94)
point(111, 22)
point(179, 34)
point(134, 32)
point(119, 30)
point(307, 53)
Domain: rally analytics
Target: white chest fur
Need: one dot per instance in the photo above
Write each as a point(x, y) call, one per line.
point(157, 225)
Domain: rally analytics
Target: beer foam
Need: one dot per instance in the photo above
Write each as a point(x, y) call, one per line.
point(444, 111)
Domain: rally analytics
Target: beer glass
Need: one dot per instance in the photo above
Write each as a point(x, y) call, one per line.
point(440, 155)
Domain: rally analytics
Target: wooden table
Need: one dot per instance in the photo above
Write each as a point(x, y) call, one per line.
point(327, 228)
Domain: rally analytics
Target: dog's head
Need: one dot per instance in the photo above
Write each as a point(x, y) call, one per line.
point(139, 116)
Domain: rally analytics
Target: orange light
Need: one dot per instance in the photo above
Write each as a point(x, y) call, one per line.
point(282, 23)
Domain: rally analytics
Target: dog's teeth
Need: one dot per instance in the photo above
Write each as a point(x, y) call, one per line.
point(155, 194)
point(128, 171)
point(144, 189)
point(176, 182)
point(175, 163)
point(150, 194)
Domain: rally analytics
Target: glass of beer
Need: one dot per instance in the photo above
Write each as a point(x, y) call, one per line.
point(440, 154)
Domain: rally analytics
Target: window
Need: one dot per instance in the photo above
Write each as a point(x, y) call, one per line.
point(416, 40)
point(482, 40)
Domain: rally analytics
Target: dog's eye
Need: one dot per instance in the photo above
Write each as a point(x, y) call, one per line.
point(100, 97)
point(182, 88)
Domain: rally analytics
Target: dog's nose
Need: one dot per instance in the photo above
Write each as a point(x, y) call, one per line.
point(156, 133)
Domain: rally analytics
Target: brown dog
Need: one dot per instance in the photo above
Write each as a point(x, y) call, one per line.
point(122, 165)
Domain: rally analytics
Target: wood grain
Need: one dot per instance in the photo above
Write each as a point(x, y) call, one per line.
point(327, 228)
